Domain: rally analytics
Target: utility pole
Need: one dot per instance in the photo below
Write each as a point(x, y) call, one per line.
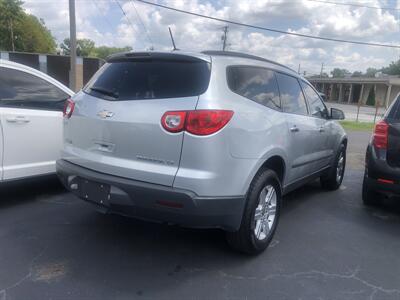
point(12, 35)
point(224, 38)
point(322, 69)
point(298, 70)
point(72, 46)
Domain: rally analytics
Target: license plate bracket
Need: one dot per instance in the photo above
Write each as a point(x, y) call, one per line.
point(95, 191)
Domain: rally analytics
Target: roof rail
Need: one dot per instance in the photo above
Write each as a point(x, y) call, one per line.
point(244, 55)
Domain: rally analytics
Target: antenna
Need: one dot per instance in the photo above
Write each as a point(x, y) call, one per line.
point(172, 39)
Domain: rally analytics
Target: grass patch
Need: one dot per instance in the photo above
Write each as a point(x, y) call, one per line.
point(353, 125)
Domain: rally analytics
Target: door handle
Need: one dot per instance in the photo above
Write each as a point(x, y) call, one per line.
point(321, 129)
point(294, 129)
point(18, 119)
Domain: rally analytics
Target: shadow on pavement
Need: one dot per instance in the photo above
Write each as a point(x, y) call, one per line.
point(27, 190)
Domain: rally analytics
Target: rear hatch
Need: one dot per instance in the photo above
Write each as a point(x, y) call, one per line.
point(393, 119)
point(116, 127)
point(393, 154)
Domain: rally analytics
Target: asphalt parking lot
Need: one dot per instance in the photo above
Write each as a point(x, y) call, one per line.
point(327, 246)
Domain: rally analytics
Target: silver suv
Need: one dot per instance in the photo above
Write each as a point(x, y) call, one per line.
point(211, 139)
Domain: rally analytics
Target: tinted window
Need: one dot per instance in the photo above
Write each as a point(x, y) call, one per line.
point(257, 84)
point(292, 97)
point(23, 90)
point(151, 79)
point(394, 112)
point(317, 107)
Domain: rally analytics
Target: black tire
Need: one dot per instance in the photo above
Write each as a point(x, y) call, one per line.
point(369, 196)
point(245, 239)
point(330, 180)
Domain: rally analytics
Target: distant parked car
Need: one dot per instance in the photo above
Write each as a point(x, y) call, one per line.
point(210, 139)
point(31, 114)
point(382, 170)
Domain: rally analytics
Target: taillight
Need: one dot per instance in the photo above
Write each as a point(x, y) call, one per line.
point(205, 122)
point(380, 137)
point(68, 108)
point(174, 121)
point(197, 122)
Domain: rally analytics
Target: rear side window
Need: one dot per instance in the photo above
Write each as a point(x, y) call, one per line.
point(292, 97)
point(255, 83)
point(394, 112)
point(150, 79)
point(23, 90)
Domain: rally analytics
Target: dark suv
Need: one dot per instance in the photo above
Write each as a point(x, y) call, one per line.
point(382, 168)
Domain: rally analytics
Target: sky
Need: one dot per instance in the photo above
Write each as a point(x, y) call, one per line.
point(146, 26)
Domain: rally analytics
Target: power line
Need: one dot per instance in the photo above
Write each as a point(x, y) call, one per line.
point(144, 26)
point(102, 13)
point(271, 29)
point(126, 16)
point(356, 5)
point(105, 18)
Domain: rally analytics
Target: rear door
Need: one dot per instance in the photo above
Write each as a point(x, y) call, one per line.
point(393, 119)
point(300, 125)
point(116, 125)
point(31, 118)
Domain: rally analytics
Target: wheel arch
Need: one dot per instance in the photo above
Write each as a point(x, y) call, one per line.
point(275, 162)
point(344, 141)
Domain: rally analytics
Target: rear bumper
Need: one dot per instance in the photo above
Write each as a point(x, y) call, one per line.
point(381, 177)
point(385, 188)
point(153, 202)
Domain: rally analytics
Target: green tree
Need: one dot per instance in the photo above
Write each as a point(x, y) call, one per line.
point(371, 72)
point(37, 39)
point(393, 68)
point(10, 13)
point(357, 74)
point(22, 32)
point(324, 75)
point(65, 46)
point(84, 47)
point(104, 51)
point(371, 98)
point(87, 47)
point(339, 73)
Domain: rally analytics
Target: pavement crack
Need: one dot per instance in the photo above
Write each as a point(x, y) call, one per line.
point(3, 291)
point(352, 275)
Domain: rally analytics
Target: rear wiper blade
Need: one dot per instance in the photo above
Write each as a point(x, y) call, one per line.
point(104, 91)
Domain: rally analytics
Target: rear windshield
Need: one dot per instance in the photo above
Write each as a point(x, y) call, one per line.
point(151, 79)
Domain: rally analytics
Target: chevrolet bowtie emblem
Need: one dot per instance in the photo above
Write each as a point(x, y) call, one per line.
point(105, 114)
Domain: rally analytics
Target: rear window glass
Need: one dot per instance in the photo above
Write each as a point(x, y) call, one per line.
point(255, 83)
point(151, 79)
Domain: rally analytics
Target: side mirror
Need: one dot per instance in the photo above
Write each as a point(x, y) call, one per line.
point(337, 114)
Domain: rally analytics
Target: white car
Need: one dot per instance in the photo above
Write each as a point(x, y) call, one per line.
point(31, 119)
